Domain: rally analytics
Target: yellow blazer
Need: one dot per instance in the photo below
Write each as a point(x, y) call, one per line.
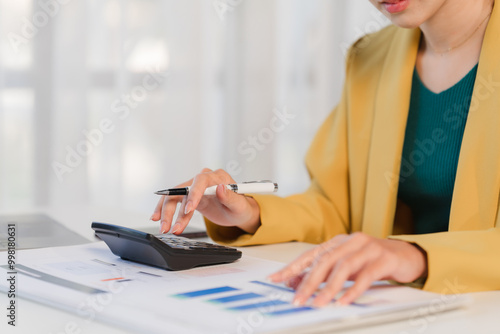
point(355, 158)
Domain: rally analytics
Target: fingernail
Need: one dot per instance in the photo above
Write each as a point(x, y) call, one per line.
point(298, 301)
point(272, 278)
point(176, 227)
point(188, 208)
point(162, 228)
point(151, 218)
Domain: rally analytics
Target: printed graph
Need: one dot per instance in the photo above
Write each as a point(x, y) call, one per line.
point(269, 299)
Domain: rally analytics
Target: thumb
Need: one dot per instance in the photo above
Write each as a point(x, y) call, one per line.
point(228, 198)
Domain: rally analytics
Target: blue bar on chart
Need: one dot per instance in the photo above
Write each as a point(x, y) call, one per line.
point(274, 286)
point(235, 298)
point(205, 292)
point(268, 303)
point(282, 288)
point(291, 310)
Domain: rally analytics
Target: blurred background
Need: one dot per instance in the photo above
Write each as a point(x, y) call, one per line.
point(103, 102)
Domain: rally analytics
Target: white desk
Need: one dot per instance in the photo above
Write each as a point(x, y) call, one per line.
point(482, 316)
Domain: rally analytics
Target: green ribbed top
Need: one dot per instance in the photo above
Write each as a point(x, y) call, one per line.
point(434, 131)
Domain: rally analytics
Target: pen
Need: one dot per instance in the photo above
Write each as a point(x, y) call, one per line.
point(253, 187)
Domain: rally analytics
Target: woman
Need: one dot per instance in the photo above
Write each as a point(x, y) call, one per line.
point(405, 177)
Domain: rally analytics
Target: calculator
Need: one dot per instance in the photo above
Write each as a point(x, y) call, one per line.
point(165, 251)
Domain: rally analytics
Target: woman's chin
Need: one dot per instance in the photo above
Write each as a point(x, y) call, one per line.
point(406, 24)
point(405, 20)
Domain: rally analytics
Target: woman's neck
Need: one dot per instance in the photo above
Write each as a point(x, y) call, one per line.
point(456, 24)
point(451, 42)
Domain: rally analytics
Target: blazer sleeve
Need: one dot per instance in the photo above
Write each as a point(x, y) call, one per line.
point(460, 261)
point(319, 213)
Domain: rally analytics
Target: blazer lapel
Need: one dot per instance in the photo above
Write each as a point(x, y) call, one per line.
point(391, 112)
point(477, 186)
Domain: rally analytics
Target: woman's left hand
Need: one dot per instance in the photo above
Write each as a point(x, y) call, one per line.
point(357, 257)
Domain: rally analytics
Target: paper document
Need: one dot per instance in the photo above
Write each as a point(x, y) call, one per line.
point(233, 298)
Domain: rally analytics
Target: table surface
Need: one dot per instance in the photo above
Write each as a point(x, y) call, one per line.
point(481, 316)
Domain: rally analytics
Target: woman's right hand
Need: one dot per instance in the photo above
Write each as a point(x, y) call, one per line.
point(226, 208)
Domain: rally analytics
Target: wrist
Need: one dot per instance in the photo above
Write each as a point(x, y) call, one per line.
point(422, 258)
point(253, 222)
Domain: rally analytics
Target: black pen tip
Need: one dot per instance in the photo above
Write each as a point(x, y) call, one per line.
point(161, 193)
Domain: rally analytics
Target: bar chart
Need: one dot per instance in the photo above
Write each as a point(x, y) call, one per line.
point(269, 299)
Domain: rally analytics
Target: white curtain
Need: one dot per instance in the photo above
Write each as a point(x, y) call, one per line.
point(102, 102)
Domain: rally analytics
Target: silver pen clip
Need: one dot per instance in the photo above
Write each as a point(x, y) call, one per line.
point(264, 181)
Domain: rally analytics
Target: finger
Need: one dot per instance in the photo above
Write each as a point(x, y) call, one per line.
point(200, 183)
point(167, 212)
point(365, 278)
point(298, 265)
point(231, 200)
point(294, 282)
point(228, 198)
point(305, 260)
point(186, 213)
point(335, 282)
point(322, 268)
point(182, 218)
point(311, 281)
point(157, 213)
point(344, 268)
